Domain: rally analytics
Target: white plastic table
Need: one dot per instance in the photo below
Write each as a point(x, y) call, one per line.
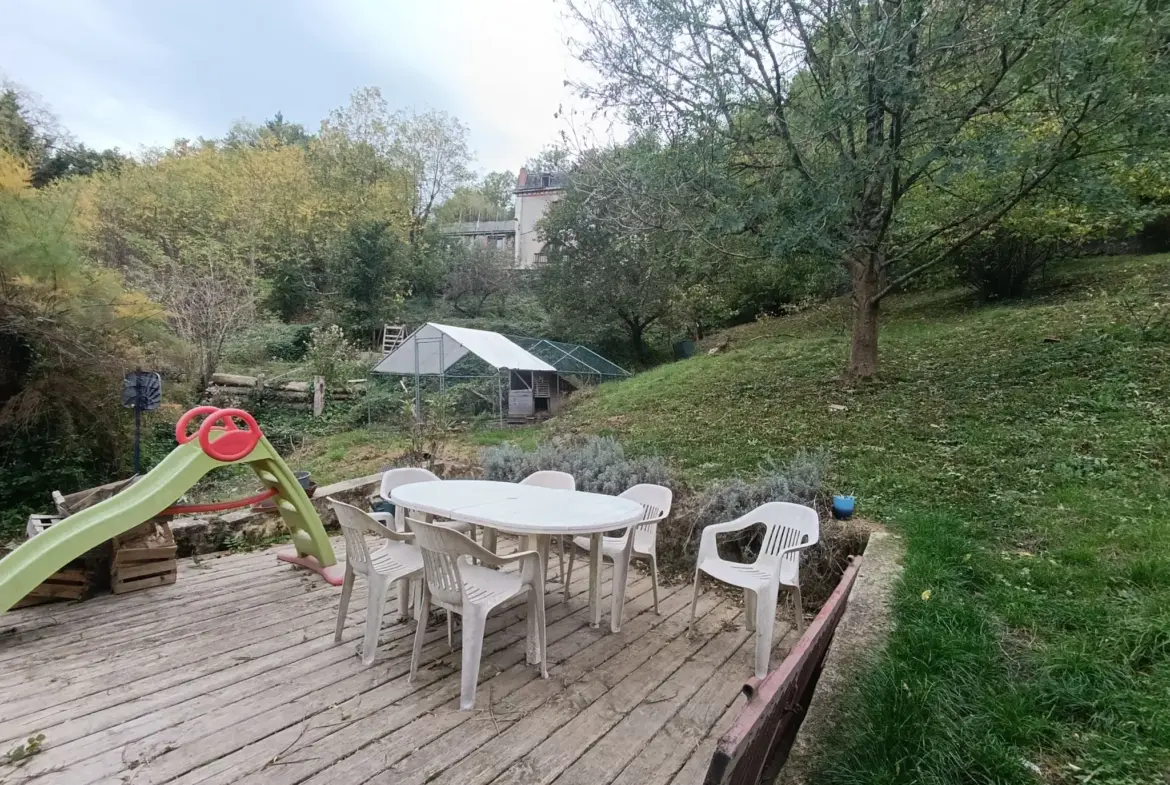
point(527, 511)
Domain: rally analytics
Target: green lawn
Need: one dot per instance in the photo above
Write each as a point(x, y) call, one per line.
point(1019, 448)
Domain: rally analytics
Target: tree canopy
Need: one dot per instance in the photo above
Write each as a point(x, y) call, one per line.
point(886, 135)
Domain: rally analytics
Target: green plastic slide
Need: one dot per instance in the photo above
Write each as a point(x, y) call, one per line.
point(218, 445)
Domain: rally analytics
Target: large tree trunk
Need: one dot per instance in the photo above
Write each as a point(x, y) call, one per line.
point(863, 349)
point(638, 341)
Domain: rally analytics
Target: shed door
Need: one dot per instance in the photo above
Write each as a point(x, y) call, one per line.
point(520, 402)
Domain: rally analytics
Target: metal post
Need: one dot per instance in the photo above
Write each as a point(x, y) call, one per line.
point(137, 437)
point(417, 392)
point(442, 365)
point(500, 393)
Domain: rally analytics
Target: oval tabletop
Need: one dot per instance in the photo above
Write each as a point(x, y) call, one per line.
point(519, 509)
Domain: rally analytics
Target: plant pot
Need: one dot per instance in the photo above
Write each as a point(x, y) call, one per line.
point(843, 507)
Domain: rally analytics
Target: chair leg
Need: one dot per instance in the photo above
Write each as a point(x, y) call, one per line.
point(749, 610)
point(765, 622)
point(376, 604)
point(694, 603)
point(531, 643)
point(569, 573)
point(617, 591)
point(797, 609)
point(402, 585)
point(542, 634)
point(473, 626)
point(343, 606)
point(450, 631)
point(423, 609)
point(542, 546)
point(654, 581)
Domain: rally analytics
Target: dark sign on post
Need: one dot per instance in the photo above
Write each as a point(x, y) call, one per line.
point(142, 392)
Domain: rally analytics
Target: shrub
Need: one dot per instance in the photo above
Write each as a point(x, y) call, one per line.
point(1003, 264)
point(1154, 237)
point(268, 341)
point(248, 347)
point(599, 464)
point(331, 355)
point(382, 405)
point(798, 481)
point(289, 342)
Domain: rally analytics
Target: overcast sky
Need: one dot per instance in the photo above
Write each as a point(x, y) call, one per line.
point(134, 73)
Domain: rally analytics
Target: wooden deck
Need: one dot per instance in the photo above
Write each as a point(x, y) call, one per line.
point(231, 676)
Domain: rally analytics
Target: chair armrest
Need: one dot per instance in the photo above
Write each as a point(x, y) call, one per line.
point(499, 561)
point(795, 548)
point(707, 545)
point(378, 521)
point(730, 526)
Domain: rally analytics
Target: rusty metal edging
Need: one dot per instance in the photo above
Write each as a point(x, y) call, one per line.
point(770, 717)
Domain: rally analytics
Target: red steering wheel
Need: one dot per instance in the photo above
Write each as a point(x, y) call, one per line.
point(181, 435)
point(234, 443)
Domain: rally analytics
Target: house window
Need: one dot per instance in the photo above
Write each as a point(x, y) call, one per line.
point(546, 181)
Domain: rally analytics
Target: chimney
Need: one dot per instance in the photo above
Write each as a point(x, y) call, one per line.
point(523, 177)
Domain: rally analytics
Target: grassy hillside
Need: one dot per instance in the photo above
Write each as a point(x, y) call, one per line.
point(1019, 448)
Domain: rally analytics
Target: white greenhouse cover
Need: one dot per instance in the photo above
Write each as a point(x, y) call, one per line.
point(440, 346)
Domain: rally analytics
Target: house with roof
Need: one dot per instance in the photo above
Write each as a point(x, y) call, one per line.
point(500, 235)
point(534, 193)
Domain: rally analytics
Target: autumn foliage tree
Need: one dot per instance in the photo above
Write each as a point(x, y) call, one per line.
point(851, 111)
point(68, 331)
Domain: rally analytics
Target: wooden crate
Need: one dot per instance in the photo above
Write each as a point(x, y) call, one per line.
point(143, 557)
point(67, 504)
point(38, 523)
point(71, 583)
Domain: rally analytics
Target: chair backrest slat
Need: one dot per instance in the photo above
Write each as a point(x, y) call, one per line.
point(655, 501)
point(786, 525)
point(355, 525)
point(441, 549)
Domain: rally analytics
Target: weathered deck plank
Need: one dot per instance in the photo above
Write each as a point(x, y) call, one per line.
point(231, 675)
point(671, 746)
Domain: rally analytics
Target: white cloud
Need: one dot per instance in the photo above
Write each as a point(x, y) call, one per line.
point(502, 64)
point(130, 74)
point(59, 49)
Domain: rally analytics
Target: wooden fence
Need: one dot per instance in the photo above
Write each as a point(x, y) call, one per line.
point(763, 733)
point(307, 395)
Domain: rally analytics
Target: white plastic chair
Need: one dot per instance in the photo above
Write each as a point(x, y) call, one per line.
point(471, 590)
point(788, 529)
point(640, 541)
point(396, 560)
point(545, 479)
point(561, 481)
point(396, 478)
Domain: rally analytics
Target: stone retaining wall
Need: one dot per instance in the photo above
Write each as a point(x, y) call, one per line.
point(860, 637)
point(207, 534)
